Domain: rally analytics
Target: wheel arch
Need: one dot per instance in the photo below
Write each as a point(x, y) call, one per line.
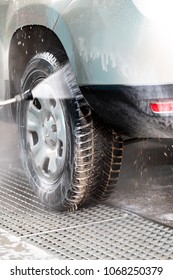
point(25, 43)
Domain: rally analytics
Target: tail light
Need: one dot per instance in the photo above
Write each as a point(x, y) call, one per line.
point(162, 107)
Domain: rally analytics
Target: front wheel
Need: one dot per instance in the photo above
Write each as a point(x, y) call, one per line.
point(63, 147)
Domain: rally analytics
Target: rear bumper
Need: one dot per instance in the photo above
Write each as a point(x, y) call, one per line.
point(128, 110)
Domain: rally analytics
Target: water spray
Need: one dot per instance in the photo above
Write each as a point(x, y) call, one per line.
point(47, 88)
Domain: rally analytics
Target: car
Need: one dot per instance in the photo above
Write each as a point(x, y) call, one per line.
point(113, 59)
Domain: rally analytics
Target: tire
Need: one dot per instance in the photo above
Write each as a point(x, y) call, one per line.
point(109, 162)
point(65, 150)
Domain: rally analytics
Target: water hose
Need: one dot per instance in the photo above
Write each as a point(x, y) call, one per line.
point(27, 95)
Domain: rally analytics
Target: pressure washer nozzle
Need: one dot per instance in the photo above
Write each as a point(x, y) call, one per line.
point(26, 95)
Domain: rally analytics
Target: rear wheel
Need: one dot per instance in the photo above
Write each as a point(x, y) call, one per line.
point(67, 154)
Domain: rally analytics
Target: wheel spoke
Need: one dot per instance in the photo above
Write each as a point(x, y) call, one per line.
point(60, 123)
point(57, 106)
point(32, 126)
point(33, 115)
point(52, 167)
point(45, 104)
point(35, 149)
point(40, 155)
point(60, 130)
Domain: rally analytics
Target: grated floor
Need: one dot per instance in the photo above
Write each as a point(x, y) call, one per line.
point(96, 232)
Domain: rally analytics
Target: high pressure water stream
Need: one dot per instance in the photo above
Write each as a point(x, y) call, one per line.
point(46, 89)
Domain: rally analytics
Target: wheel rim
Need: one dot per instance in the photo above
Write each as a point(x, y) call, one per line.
point(46, 137)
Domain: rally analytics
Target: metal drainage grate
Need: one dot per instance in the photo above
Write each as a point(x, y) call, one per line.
point(98, 232)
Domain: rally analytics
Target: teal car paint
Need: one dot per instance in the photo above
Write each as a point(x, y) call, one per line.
point(113, 42)
point(108, 43)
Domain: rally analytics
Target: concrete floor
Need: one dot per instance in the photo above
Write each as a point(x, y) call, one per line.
point(145, 186)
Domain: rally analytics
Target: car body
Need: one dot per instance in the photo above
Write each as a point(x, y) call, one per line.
point(120, 52)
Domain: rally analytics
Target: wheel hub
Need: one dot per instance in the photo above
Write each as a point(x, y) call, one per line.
point(47, 137)
point(50, 131)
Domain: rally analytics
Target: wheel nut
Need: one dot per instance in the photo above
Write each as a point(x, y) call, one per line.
point(53, 127)
point(52, 142)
